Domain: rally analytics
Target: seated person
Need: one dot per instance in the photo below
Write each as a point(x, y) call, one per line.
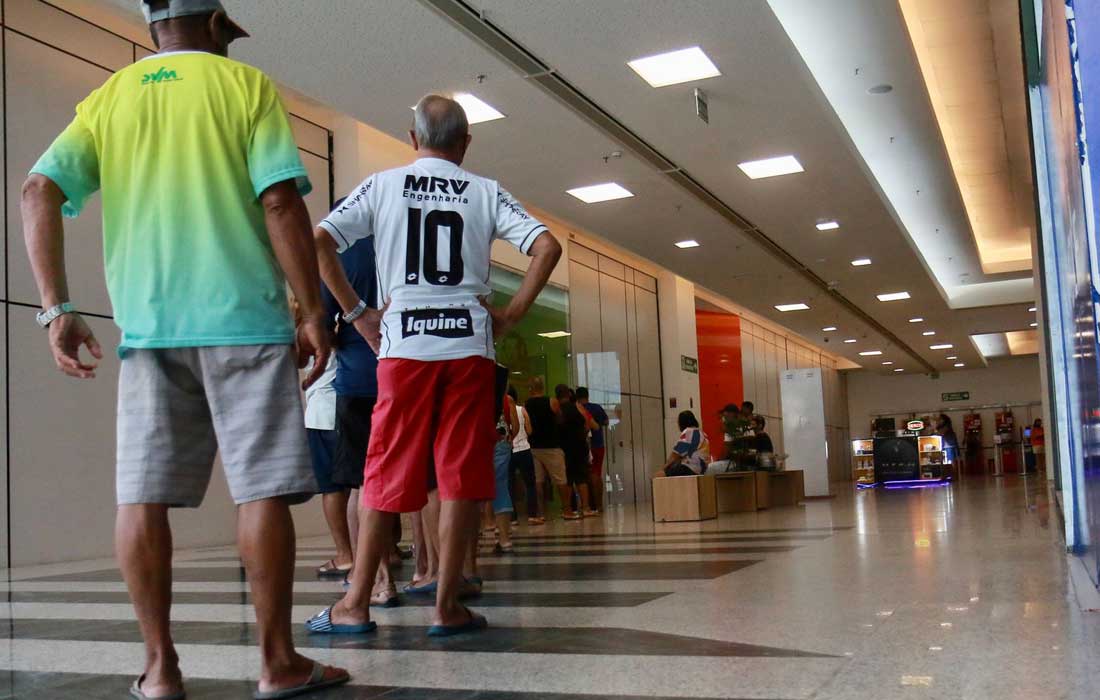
point(763, 441)
point(692, 452)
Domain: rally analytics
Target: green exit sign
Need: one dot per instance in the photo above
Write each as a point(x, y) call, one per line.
point(689, 364)
point(956, 396)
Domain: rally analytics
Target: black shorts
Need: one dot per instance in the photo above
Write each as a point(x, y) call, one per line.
point(353, 421)
point(576, 464)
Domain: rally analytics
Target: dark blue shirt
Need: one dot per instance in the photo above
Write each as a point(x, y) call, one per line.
point(356, 363)
point(600, 416)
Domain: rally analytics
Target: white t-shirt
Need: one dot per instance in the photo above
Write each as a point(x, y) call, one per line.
point(433, 224)
point(321, 398)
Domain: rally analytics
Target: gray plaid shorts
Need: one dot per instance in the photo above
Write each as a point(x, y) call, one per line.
point(178, 406)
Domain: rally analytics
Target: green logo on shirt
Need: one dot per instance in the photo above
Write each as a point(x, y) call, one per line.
point(161, 76)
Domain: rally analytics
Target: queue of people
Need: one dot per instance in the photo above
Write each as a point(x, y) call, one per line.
point(201, 237)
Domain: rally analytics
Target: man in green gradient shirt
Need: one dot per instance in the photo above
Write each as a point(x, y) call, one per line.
point(202, 217)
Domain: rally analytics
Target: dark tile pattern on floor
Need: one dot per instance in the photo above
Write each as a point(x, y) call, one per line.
point(525, 550)
point(486, 600)
point(681, 533)
point(22, 685)
point(580, 571)
point(516, 640)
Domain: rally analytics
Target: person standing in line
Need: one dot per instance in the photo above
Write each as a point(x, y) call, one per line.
point(522, 462)
point(434, 337)
point(1038, 444)
point(598, 448)
point(198, 234)
point(502, 462)
point(546, 447)
point(575, 425)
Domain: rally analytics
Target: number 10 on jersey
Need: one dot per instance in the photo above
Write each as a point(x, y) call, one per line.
point(429, 251)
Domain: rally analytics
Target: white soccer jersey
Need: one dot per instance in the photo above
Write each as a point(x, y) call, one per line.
point(433, 224)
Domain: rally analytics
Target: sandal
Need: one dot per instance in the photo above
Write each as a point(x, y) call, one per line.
point(475, 623)
point(316, 682)
point(386, 598)
point(331, 569)
point(136, 692)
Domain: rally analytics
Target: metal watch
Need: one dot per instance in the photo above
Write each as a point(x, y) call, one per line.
point(359, 310)
point(45, 318)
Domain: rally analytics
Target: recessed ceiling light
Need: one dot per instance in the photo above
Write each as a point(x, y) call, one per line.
point(600, 193)
point(1032, 309)
point(691, 243)
point(899, 369)
point(851, 340)
point(887, 363)
point(918, 319)
point(792, 307)
point(953, 357)
point(893, 296)
point(477, 110)
point(960, 364)
point(771, 167)
point(929, 333)
point(556, 334)
point(1034, 324)
point(860, 262)
point(881, 89)
point(827, 226)
point(945, 346)
point(829, 329)
point(675, 67)
point(870, 353)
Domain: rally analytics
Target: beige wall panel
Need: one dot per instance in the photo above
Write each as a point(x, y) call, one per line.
point(649, 344)
point(74, 35)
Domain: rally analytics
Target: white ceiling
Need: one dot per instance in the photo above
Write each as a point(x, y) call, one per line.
point(372, 59)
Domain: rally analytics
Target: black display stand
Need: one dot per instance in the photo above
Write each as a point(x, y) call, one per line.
point(896, 459)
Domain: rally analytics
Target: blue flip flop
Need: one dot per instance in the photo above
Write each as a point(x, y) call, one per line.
point(426, 589)
point(475, 623)
point(321, 623)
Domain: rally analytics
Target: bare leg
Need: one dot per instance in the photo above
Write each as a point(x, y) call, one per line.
point(336, 507)
point(265, 535)
point(375, 527)
point(458, 521)
point(430, 516)
point(595, 489)
point(504, 526)
point(565, 491)
point(353, 516)
point(421, 548)
point(586, 502)
point(143, 545)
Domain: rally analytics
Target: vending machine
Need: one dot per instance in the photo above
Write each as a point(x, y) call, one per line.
point(1005, 444)
point(973, 454)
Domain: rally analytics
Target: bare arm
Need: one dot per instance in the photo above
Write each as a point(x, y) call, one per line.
point(45, 238)
point(545, 253)
point(526, 421)
point(288, 226)
point(332, 272)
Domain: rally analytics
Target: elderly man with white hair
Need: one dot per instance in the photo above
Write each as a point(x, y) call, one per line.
point(432, 225)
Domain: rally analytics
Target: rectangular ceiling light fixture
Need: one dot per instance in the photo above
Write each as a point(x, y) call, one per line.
point(870, 353)
point(771, 167)
point(828, 226)
point(691, 243)
point(918, 319)
point(945, 346)
point(861, 262)
point(600, 193)
point(1032, 309)
point(928, 333)
point(675, 67)
point(552, 335)
point(893, 296)
point(851, 340)
point(899, 369)
point(477, 110)
point(887, 363)
point(960, 364)
point(828, 329)
point(792, 307)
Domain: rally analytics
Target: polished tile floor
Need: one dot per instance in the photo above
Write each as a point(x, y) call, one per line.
point(957, 592)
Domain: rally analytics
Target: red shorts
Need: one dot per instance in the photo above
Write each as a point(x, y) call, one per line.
point(598, 454)
point(443, 409)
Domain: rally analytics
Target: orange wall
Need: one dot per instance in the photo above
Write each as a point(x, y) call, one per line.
point(720, 378)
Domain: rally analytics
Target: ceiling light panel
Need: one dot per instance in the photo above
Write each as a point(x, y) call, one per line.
point(861, 262)
point(893, 296)
point(829, 329)
point(918, 319)
point(792, 307)
point(849, 341)
point(771, 167)
point(675, 67)
point(870, 353)
point(927, 333)
point(943, 346)
point(688, 244)
point(600, 193)
point(960, 364)
point(556, 334)
point(477, 110)
point(828, 226)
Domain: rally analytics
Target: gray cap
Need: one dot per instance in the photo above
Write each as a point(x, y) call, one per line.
point(185, 8)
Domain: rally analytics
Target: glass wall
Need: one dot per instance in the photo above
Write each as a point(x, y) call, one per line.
point(1063, 69)
point(539, 345)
